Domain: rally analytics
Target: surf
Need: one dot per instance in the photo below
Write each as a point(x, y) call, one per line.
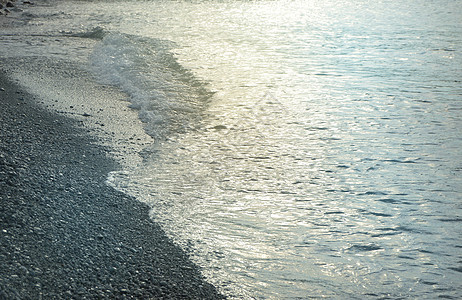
point(168, 97)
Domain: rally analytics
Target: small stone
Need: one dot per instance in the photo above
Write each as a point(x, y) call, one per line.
point(163, 283)
point(86, 115)
point(9, 4)
point(1, 89)
point(220, 127)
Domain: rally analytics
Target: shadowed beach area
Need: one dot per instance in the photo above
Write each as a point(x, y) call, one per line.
point(64, 232)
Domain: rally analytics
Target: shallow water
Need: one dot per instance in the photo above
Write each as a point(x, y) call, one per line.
point(304, 149)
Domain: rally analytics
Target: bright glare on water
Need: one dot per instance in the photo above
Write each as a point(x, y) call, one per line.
point(305, 148)
point(328, 162)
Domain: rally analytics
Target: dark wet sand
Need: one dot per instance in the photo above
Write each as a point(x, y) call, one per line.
point(63, 232)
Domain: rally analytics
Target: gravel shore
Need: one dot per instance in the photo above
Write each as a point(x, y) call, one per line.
point(63, 232)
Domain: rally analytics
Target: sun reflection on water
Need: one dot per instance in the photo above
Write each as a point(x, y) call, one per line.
point(320, 167)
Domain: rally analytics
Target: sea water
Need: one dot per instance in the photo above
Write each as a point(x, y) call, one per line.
point(300, 149)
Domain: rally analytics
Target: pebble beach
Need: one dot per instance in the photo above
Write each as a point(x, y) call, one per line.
point(266, 149)
point(64, 233)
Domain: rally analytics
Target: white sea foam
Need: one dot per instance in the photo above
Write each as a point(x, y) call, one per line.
point(167, 96)
point(97, 33)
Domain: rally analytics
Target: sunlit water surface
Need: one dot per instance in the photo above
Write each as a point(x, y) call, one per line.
point(304, 148)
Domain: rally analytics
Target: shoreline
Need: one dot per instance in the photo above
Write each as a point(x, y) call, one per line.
point(64, 232)
point(11, 6)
